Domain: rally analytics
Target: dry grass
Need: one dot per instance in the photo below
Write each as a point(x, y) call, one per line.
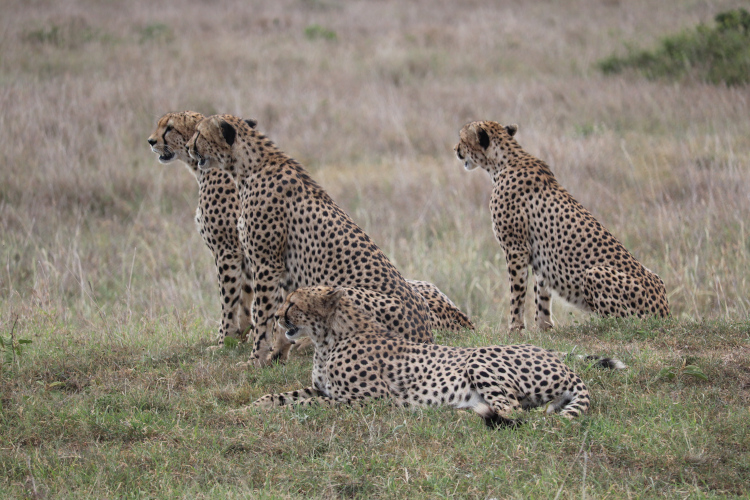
point(85, 209)
point(99, 251)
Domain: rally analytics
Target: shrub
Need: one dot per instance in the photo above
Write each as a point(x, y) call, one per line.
point(317, 32)
point(715, 54)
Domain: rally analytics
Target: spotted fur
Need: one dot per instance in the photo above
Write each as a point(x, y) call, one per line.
point(216, 217)
point(538, 223)
point(357, 359)
point(444, 315)
point(295, 235)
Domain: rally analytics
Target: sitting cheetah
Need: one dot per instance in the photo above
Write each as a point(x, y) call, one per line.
point(295, 235)
point(538, 223)
point(356, 358)
point(216, 217)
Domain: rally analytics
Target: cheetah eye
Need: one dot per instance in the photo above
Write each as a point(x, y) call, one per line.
point(169, 129)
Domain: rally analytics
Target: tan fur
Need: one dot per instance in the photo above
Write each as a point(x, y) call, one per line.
point(294, 234)
point(216, 217)
point(356, 359)
point(539, 224)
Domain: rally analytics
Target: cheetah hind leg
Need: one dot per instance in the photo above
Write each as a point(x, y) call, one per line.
point(497, 405)
point(495, 416)
point(572, 402)
point(613, 293)
point(542, 303)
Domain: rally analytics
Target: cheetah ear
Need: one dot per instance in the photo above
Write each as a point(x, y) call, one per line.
point(228, 132)
point(252, 123)
point(511, 129)
point(332, 298)
point(483, 137)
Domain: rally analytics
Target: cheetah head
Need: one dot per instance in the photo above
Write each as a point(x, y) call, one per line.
point(172, 133)
point(307, 312)
point(214, 140)
point(485, 144)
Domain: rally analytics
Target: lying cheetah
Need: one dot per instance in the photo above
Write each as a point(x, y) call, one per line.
point(356, 358)
point(295, 235)
point(216, 217)
point(538, 223)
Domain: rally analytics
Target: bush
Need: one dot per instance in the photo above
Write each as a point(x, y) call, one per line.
point(715, 54)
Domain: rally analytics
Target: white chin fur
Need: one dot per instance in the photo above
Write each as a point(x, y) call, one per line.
point(469, 166)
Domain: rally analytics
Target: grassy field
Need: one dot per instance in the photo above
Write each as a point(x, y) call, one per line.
point(102, 269)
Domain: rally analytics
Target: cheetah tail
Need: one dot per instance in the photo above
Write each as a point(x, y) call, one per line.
point(593, 360)
point(602, 362)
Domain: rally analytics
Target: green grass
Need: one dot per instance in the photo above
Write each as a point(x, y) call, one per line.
point(164, 418)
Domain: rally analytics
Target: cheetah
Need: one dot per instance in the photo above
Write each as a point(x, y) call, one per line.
point(443, 315)
point(356, 358)
point(294, 235)
point(216, 217)
point(538, 223)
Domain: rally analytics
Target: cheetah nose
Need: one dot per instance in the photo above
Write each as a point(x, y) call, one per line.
point(151, 141)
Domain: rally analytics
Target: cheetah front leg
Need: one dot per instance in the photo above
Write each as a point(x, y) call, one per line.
point(517, 259)
point(542, 303)
point(230, 275)
point(268, 297)
point(281, 346)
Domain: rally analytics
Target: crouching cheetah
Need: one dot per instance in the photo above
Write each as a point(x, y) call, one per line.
point(356, 358)
point(295, 235)
point(538, 223)
point(216, 217)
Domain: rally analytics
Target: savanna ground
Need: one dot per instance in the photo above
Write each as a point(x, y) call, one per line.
point(103, 270)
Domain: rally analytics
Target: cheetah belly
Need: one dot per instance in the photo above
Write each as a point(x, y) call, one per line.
point(571, 298)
